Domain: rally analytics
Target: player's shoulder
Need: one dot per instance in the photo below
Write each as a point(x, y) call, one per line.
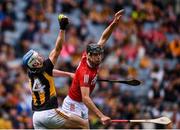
point(83, 67)
point(83, 62)
point(84, 55)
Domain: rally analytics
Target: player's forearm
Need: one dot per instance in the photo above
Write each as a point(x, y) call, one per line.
point(89, 103)
point(107, 33)
point(58, 73)
point(55, 52)
point(59, 41)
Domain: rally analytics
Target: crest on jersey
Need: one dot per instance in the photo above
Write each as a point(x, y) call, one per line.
point(86, 78)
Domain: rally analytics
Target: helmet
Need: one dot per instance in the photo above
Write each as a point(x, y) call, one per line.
point(94, 49)
point(29, 58)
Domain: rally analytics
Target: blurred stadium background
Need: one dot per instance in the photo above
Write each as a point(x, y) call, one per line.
point(146, 45)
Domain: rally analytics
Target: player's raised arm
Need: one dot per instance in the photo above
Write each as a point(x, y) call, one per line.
point(107, 32)
point(63, 22)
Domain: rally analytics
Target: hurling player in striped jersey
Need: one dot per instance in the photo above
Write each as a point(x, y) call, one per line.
point(47, 114)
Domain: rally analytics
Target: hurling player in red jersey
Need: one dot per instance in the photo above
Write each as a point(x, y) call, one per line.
point(78, 100)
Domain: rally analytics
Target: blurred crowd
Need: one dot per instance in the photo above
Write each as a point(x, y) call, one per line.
point(145, 46)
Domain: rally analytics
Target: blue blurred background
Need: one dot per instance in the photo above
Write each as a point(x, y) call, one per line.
point(146, 46)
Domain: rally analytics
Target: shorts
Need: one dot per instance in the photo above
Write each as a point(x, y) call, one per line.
point(74, 107)
point(49, 119)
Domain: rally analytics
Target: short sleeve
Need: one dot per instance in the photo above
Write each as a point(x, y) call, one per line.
point(48, 66)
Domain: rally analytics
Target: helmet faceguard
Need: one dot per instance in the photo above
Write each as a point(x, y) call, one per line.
point(30, 59)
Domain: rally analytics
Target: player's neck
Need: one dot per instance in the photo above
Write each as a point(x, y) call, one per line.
point(89, 64)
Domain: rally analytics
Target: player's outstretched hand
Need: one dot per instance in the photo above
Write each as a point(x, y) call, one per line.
point(63, 21)
point(118, 16)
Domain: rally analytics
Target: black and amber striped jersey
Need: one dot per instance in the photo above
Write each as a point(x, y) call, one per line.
point(43, 88)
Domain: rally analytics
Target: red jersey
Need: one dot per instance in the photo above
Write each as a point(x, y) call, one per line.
point(85, 76)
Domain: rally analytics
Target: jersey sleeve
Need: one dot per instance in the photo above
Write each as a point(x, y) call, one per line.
point(49, 66)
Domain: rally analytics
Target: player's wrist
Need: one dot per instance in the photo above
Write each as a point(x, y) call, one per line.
point(100, 115)
point(61, 31)
point(115, 22)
